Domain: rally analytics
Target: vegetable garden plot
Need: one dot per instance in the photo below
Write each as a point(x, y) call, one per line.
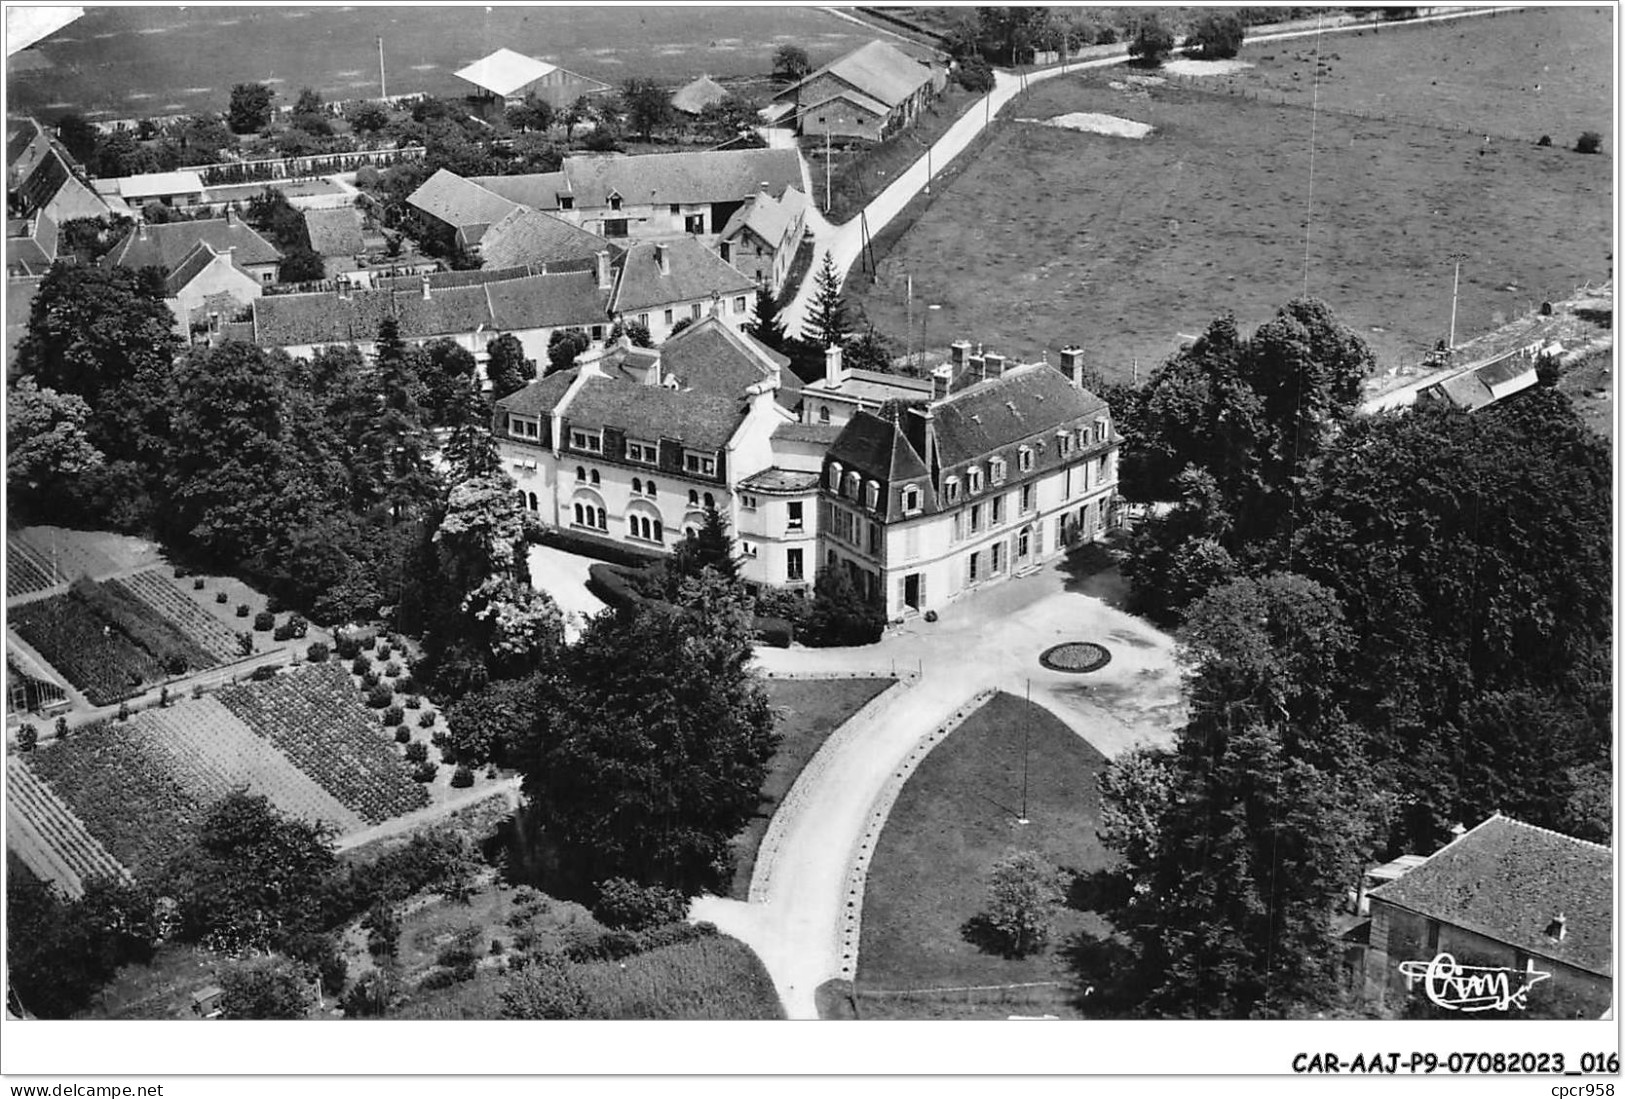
point(26, 571)
point(51, 840)
point(72, 550)
point(154, 590)
point(211, 752)
point(125, 794)
point(102, 663)
point(314, 718)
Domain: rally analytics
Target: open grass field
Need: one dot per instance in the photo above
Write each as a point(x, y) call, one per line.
point(954, 818)
point(134, 62)
point(1518, 74)
point(1129, 247)
point(808, 710)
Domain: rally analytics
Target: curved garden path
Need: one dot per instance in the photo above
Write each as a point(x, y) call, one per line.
point(798, 920)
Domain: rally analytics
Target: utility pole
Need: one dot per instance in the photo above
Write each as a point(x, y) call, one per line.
point(909, 299)
point(383, 89)
point(1026, 723)
point(1455, 293)
point(826, 171)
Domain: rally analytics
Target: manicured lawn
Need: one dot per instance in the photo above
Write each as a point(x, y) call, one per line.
point(809, 711)
point(954, 818)
point(1136, 242)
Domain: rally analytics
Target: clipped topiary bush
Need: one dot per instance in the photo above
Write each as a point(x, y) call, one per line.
point(221, 597)
point(379, 697)
point(360, 665)
point(317, 653)
point(263, 673)
point(774, 631)
point(394, 715)
point(197, 584)
point(426, 721)
point(264, 620)
point(403, 735)
point(392, 670)
point(414, 702)
point(369, 680)
point(348, 648)
point(242, 610)
point(425, 771)
point(417, 752)
point(447, 754)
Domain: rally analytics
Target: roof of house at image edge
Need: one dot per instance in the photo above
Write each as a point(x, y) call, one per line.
point(167, 245)
point(877, 69)
point(1509, 881)
point(506, 72)
point(695, 273)
point(775, 479)
point(31, 244)
point(700, 421)
point(726, 175)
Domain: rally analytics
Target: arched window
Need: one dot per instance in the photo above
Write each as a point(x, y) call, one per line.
point(660, 531)
point(710, 501)
point(693, 498)
point(873, 496)
point(535, 504)
point(649, 487)
point(595, 476)
point(578, 515)
point(637, 485)
point(581, 473)
point(823, 413)
point(521, 497)
point(603, 520)
point(835, 476)
point(853, 481)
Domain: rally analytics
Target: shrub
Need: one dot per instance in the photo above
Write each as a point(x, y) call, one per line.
point(974, 75)
point(383, 649)
point(840, 614)
point(426, 721)
point(414, 702)
point(425, 771)
point(394, 715)
point(198, 584)
point(242, 610)
point(447, 754)
point(197, 690)
point(317, 653)
point(613, 585)
point(392, 669)
point(221, 597)
point(282, 633)
point(1023, 892)
point(1545, 141)
point(273, 603)
point(626, 904)
point(27, 737)
point(370, 680)
point(461, 779)
point(417, 752)
point(298, 626)
point(62, 728)
point(263, 673)
point(264, 620)
point(1152, 41)
point(360, 666)
point(403, 735)
point(930, 616)
point(124, 711)
point(182, 572)
point(406, 685)
point(1216, 35)
point(774, 631)
point(1590, 142)
point(379, 697)
point(348, 648)
point(245, 644)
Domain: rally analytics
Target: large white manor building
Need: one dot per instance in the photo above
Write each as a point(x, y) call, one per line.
point(921, 488)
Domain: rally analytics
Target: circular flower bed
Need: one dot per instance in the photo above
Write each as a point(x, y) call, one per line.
point(1075, 656)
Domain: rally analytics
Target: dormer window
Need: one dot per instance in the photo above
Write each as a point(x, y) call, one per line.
point(996, 466)
point(1100, 430)
point(950, 489)
point(835, 477)
point(524, 427)
point(1024, 459)
point(591, 441)
point(703, 464)
point(646, 453)
point(567, 202)
point(853, 480)
point(973, 480)
point(1066, 442)
point(823, 413)
point(614, 201)
point(872, 499)
point(911, 499)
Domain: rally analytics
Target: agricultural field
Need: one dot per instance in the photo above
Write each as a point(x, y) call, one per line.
point(105, 665)
point(1135, 245)
point(1517, 74)
point(314, 717)
point(70, 554)
point(953, 819)
point(50, 839)
point(27, 571)
point(135, 62)
point(153, 589)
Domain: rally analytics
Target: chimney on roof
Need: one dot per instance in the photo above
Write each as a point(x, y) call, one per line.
point(1072, 364)
point(834, 370)
point(959, 352)
point(942, 380)
point(425, 282)
point(231, 215)
point(214, 322)
point(342, 287)
point(1457, 831)
point(663, 257)
point(992, 365)
point(603, 270)
point(1558, 928)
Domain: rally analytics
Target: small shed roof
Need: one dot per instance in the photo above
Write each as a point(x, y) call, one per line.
point(698, 94)
point(158, 184)
point(505, 72)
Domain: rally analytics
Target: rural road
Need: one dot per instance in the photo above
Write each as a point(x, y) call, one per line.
point(991, 639)
point(844, 241)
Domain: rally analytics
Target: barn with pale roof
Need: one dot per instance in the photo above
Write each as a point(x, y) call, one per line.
point(509, 77)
